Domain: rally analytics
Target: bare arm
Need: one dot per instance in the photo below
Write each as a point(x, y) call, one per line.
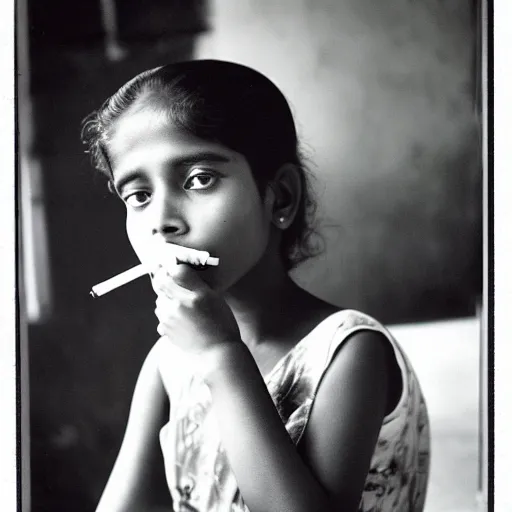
point(353, 399)
point(329, 473)
point(270, 472)
point(137, 481)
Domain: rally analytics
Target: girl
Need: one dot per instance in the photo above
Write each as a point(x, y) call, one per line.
point(279, 401)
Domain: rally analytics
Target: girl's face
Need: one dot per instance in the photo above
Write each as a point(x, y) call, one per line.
point(189, 191)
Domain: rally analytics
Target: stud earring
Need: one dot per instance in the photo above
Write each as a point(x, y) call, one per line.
point(281, 219)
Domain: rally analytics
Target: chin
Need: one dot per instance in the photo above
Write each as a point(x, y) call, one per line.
point(216, 282)
point(250, 275)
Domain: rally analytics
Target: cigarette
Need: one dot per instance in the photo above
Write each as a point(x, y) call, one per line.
point(135, 272)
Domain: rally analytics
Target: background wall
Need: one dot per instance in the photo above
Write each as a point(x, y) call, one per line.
point(435, 349)
point(84, 355)
point(383, 94)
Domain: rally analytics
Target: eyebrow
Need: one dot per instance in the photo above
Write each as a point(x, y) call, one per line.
point(183, 161)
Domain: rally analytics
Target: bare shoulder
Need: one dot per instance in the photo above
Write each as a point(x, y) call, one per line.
point(347, 415)
point(362, 366)
point(150, 388)
point(149, 399)
point(138, 479)
point(155, 354)
point(366, 360)
point(365, 350)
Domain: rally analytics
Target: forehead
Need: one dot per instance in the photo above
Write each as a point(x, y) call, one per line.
point(140, 136)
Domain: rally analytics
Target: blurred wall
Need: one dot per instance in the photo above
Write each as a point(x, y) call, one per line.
point(435, 349)
point(85, 356)
point(384, 96)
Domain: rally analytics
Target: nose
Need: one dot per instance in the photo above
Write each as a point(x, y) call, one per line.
point(168, 229)
point(168, 221)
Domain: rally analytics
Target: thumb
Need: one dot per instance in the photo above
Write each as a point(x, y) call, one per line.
point(187, 277)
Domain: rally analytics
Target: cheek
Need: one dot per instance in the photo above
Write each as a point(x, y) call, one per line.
point(136, 237)
point(242, 231)
point(240, 211)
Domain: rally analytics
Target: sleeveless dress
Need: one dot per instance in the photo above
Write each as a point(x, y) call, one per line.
point(197, 469)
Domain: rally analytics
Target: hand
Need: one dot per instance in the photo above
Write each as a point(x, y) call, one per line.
point(191, 315)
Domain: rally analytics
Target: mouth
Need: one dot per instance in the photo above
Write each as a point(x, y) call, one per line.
point(199, 259)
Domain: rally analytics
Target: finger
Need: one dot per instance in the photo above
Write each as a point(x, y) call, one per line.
point(162, 283)
point(185, 277)
point(165, 308)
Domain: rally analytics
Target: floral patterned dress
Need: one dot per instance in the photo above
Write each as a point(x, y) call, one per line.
point(197, 469)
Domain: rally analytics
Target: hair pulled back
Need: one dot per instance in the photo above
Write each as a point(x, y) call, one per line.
point(225, 103)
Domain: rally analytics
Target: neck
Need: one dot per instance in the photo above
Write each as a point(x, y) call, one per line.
point(263, 301)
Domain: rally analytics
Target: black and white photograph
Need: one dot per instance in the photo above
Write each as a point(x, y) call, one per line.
point(252, 270)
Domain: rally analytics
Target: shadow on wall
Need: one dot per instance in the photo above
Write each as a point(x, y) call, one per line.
point(85, 359)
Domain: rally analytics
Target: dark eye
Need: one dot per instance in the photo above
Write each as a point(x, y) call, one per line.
point(200, 181)
point(137, 199)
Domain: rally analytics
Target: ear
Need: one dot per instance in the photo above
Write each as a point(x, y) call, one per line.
point(287, 193)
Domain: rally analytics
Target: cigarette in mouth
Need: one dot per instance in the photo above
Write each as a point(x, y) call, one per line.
point(192, 257)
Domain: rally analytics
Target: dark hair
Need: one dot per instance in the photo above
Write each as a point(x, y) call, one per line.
point(226, 103)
